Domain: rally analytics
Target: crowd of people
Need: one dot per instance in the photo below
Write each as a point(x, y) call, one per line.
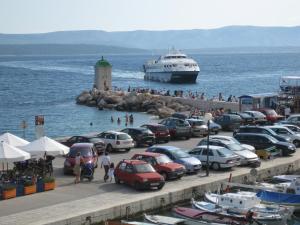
point(182, 94)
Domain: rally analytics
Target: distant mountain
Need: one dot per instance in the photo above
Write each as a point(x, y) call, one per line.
point(64, 49)
point(226, 37)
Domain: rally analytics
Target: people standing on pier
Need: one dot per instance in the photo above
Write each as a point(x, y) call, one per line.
point(221, 97)
point(131, 119)
point(119, 121)
point(111, 119)
point(77, 167)
point(105, 162)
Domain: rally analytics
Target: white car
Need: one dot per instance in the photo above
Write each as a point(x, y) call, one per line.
point(233, 140)
point(114, 140)
point(219, 157)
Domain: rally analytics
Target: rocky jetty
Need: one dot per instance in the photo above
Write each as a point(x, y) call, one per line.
point(162, 106)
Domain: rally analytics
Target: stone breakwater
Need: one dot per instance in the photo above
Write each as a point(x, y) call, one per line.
point(162, 106)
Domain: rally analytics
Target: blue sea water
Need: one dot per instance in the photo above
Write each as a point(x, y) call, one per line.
point(48, 85)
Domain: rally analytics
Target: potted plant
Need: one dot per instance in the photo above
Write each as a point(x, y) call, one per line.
point(9, 191)
point(29, 187)
point(49, 183)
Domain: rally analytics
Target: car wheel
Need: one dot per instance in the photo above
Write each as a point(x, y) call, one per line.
point(137, 185)
point(109, 148)
point(216, 166)
point(188, 137)
point(127, 149)
point(165, 175)
point(216, 132)
point(296, 143)
point(117, 180)
point(160, 187)
point(91, 178)
point(166, 141)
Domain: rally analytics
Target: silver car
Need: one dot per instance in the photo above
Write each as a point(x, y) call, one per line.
point(247, 157)
point(218, 157)
point(199, 127)
point(233, 140)
point(286, 132)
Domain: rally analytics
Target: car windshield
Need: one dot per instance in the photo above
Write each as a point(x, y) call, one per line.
point(146, 131)
point(144, 168)
point(224, 152)
point(258, 114)
point(196, 122)
point(85, 152)
point(235, 147)
point(123, 137)
point(271, 131)
point(178, 153)
point(274, 140)
point(163, 159)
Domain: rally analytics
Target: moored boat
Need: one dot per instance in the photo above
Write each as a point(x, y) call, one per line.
point(165, 220)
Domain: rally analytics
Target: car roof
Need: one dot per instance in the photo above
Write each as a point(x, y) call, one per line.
point(194, 119)
point(275, 126)
point(113, 132)
point(136, 128)
point(212, 147)
point(166, 147)
point(153, 154)
point(253, 134)
point(221, 136)
point(79, 145)
point(154, 124)
point(134, 161)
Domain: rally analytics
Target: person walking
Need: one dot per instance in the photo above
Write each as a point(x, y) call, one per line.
point(105, 162)
point(77, 167)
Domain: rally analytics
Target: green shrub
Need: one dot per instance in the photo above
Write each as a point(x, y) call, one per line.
point(28, 183)
point(48, 179)
point(8, 187)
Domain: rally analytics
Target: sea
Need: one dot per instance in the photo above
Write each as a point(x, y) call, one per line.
point(48, 85)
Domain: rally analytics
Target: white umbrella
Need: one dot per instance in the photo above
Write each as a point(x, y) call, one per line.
point(13, 140)
point(10, 153)
point(45, 145)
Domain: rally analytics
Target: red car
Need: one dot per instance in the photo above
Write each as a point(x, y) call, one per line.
point(88, 153)
point(162, 164)
point(160, 131)
point(139, 174)
point(271, 115)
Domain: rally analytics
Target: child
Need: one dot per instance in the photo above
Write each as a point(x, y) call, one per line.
point(111, 171)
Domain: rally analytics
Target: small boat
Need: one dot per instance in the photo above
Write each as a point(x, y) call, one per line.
point(285, 178)
point(243, 201)
point(157, 219)
point(211, 217)
point(125, 222)
point(267, 218)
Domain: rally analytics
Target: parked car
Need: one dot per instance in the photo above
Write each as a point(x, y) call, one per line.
point(292, 119)
point(261, 130)
point(246, 118)
point(219, 157)
point(98, 143)
point(114, 140)
point(246, 157)
point(140, 135)
point(162, 164)
point(160, 131)
point(265, 141)
point(214, 127)
point(228, 122)
point(177, 127)
point(88, 153)
point(199, 127)
point(139, 174)
point(294, 128)
point(191, 164)
point(271, 115)
point(259, 118)
point(232, 140)
point(286, 132)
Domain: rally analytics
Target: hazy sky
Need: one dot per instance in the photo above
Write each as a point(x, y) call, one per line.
point(34, 16)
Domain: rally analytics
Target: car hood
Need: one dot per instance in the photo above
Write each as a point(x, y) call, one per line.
point(189, 160)
point(248, 147)
point(170, 166)
point(153, 175)
point(246, 154)
point(285, 144)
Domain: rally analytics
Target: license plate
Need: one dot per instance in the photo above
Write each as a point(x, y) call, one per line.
point(154, 184)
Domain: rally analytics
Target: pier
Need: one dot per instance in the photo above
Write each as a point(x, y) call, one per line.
point(88, 203)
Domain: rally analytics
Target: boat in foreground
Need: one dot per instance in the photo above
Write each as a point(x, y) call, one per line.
point(165, 220)
point(174, 67)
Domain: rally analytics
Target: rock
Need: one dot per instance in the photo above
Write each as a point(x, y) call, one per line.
point(109, 106)
point(165, 112)
point(112, 99)
point(91, 103)
point(84, 98)
point(152, 111)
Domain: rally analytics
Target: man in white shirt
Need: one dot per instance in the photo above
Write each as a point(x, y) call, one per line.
point(105, 162)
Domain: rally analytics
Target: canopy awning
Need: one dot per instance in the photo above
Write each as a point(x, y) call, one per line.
point(45, 145)
point(10, 153)
point(13, 140)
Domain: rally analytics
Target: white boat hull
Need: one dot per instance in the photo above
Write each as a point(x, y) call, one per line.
point(173, 76)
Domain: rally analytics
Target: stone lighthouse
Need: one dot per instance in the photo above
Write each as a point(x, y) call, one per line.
point(103, 75)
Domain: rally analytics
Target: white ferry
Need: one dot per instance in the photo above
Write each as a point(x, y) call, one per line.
point(174, 67)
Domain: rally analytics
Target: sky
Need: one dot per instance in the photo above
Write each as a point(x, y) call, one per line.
point(40, 16)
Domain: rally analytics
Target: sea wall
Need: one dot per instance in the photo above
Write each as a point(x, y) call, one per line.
point(160, 105)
